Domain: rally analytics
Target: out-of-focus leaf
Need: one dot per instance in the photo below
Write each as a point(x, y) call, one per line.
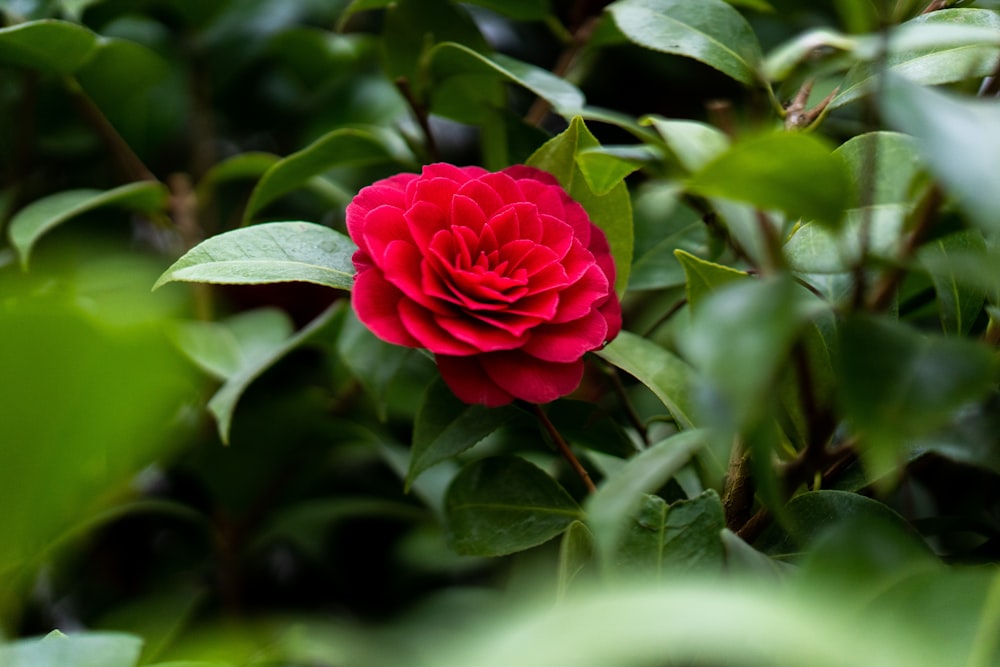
point(223, 348)
point(34, 220)
point(271, 252)
point(519, 10)
point(896, 384)
point(359, 6)
point(793, 172)
point(662, 227)
point(620, 495)
point(612, 212)
point(500, 505)
point(48, 45)
point(666, 374)
point(575, 553)
point(249, 165)
point(222, 405)
point(960, 304)
point(937, 47)
point(693, 143)
point(709, 31)
point(90, 649)
point(340, 147)
point(663, 540)
point(960, 138)
point(446, 426)
point(970, 438)
point(703, 277)
point(783, 60)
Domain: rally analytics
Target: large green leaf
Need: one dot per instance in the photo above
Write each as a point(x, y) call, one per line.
point(960, 138)
point(340, 147)
point(896, 384)
point(792, 172)
point(272, 252)
point(666, 374)
point(90, 649)
point(612, 211)
point(500, 505)
point(446, 426)
point(48, 45)
point(32, 222)
point(620, 495)
point(709, 31)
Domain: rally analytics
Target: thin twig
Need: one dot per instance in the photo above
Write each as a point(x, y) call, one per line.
point(541, 107)
point(422, 116)
point(563, 447)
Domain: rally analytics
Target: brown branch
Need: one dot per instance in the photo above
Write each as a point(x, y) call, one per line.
point(541, 107)
point(563, 447)
point(422, 115)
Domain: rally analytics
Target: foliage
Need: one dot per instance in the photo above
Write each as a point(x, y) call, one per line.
point(208, 460)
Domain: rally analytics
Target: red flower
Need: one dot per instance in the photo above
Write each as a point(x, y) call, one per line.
point(501, 275)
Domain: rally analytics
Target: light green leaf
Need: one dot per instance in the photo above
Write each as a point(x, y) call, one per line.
point(500, 505)
point(792, 172)
point(620, 495)
point(575, 554)
point(960, 138)
point(693, 143)
point(446, 426)
point(222, 405)
point(709, 31)
point(47, 45)
point(32, 222)
point(340, 147)
point(664, 373)
point(223, 348)
point(607, 166)
point(272, 252)
point(612, 212)
point(450, 59)
point(89, 649)
point(783, 60)
point(704, 277)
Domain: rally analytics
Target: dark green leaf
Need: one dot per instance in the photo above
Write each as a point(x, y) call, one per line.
point(90, 649)
point(446, 426)
point(48, 45)
point(612, 212)
point(959, 303)
point(343, 146)
point(586, 425)
point(666, 374)
point(960, 138)
point(519, 10)
point(34, 220)
point(249, 165)
point(792, 172)
point(500, 505)
point(710, 31)
point(271, 252)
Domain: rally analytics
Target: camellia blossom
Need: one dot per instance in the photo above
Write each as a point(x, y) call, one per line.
point(500, 274)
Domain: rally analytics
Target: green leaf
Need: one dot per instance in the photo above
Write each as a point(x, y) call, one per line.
point(223, 348)
point(896, 384)
point(959, 303)
point(450, 59)
point(612, 212)
point(782, 61)
point(607, 166)
point(792, 172)
point(519, 10)
point(271, 252)
point(47, 45)
point(575, 554)
point(34, 220)
point(709, 31)
point(89, 649)
point(620, 495)
point(340, 147)
point(665, 540)
point(664, 373)
point(249, 165)
point(500, 505)
point(704, 277)
point(585, 424)
point(960, 138)
point(694, 144)
point(664, 225)
point(222, 405)
point(446, 426)
point(938, 47)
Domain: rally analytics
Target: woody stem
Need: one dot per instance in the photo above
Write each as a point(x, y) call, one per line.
point(563, 447)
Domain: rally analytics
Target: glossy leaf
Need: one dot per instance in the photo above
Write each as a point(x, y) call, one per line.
point(694, 144)
point(704, 277)
point(500, 505)
point(612, 212)
point(223, 403)
point(90, 649)
point(795, 173)
point(223, 348)
point(663, 372)
point(709, 31)
point(47, 45)
point(607, 166)
point(272, 252)
point(445, 426)
point(340, 147)
point(960, 138)
point(896, 384)
point(41, 216)
point(620, 495)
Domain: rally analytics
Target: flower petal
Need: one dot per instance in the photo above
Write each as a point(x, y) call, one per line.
point(376, 303)
point(530, 378)
point(568, 341)
point(467, 380)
